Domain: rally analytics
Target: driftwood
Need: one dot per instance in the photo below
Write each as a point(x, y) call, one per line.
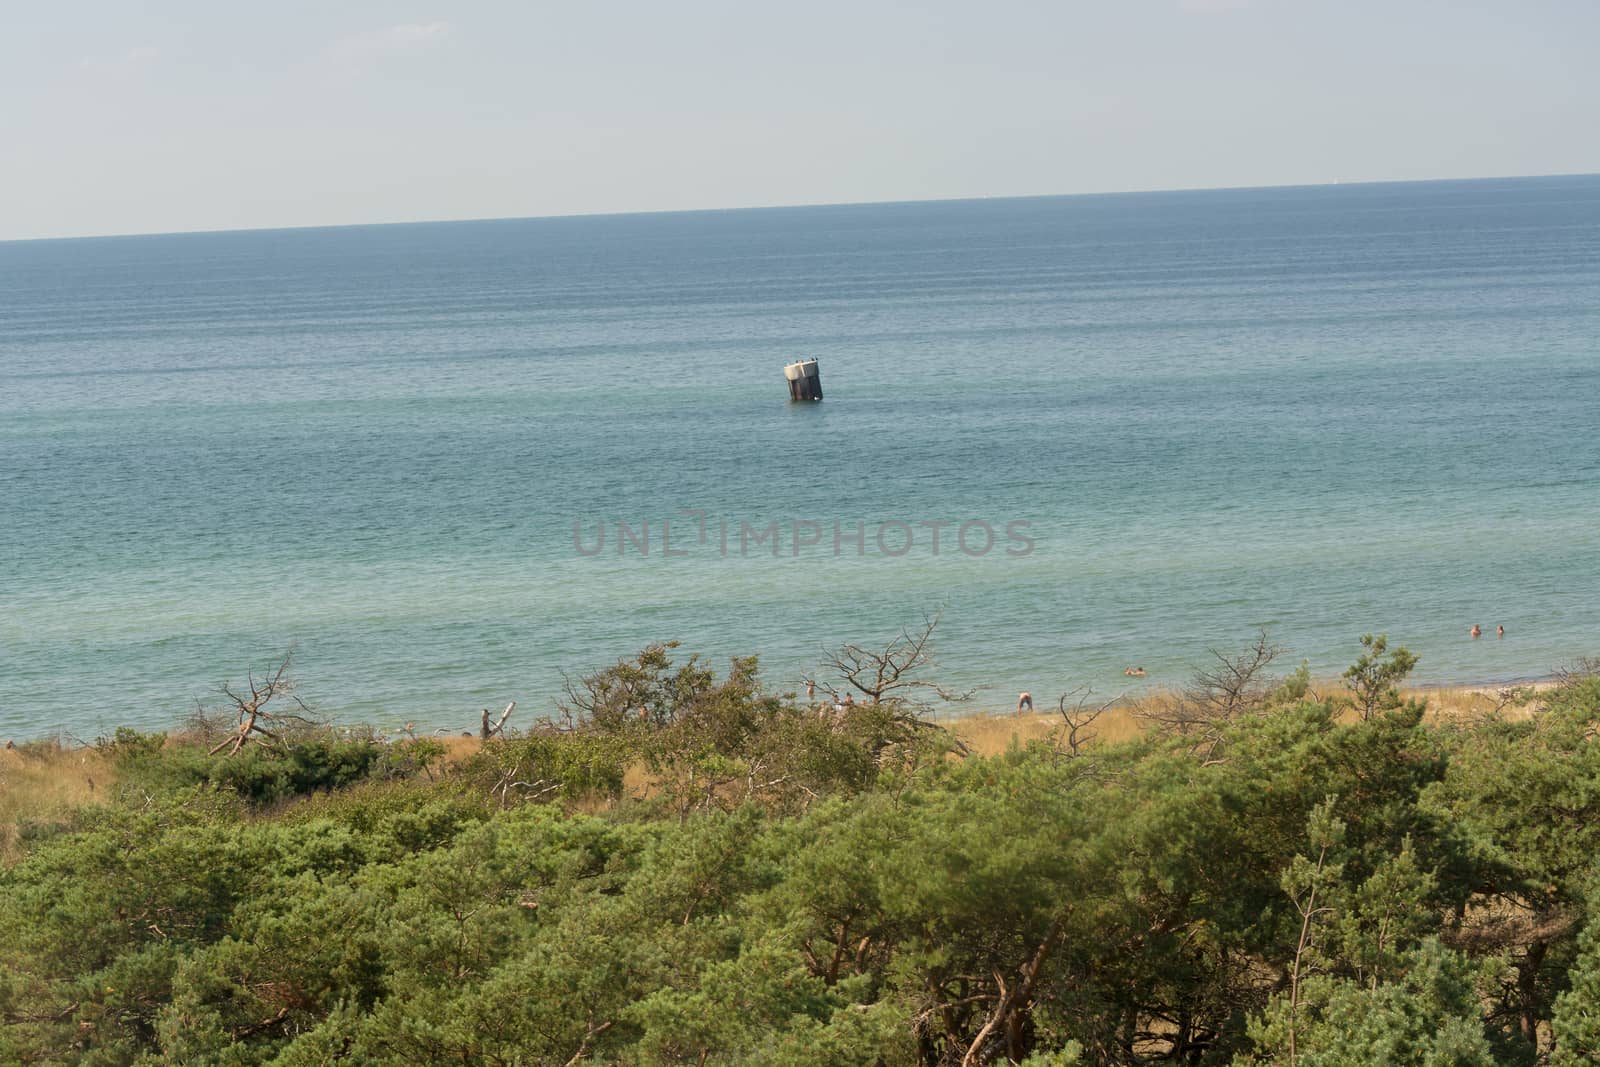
point(534, 790)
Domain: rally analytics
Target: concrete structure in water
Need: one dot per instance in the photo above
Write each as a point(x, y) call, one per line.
point(804, 381)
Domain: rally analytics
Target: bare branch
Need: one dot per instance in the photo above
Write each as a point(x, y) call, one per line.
point(1234, 686)
point(1578, 670)
point(894, 671)
point(252, 718)
point(1072, 737)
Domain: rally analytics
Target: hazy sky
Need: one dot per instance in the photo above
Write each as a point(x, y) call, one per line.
point(121, 117)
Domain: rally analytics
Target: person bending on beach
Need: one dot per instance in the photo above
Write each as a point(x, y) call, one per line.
point(1024, 701)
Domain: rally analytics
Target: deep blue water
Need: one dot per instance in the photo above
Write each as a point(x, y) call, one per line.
point(1322, 411)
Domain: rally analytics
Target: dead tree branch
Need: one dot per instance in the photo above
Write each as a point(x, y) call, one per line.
point(250, 708)
point(1234, 686)
point(1072, 737)
point(894, 671)
point(500, 724)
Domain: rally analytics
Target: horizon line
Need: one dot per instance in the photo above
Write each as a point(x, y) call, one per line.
point(788, 206)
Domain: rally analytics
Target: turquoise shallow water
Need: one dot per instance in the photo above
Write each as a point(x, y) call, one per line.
point(1322, 411)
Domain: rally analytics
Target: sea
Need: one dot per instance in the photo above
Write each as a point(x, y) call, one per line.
point(453, 465)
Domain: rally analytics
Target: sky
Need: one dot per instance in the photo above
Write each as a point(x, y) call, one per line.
point(157, 117)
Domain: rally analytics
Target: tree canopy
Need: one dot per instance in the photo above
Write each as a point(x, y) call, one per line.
point(689, 868)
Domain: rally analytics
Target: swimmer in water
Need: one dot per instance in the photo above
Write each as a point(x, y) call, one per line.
point(1476, 631)
point(1500, 631)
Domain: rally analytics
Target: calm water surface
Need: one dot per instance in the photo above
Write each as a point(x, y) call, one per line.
point(1321, 411)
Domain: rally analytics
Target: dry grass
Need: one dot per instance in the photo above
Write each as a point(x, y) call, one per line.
point(458, 748)
point(45, 782)
point(988, 733)
point(1446, 704)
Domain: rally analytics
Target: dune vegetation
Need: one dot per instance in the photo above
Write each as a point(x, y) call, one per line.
point(685, 867)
